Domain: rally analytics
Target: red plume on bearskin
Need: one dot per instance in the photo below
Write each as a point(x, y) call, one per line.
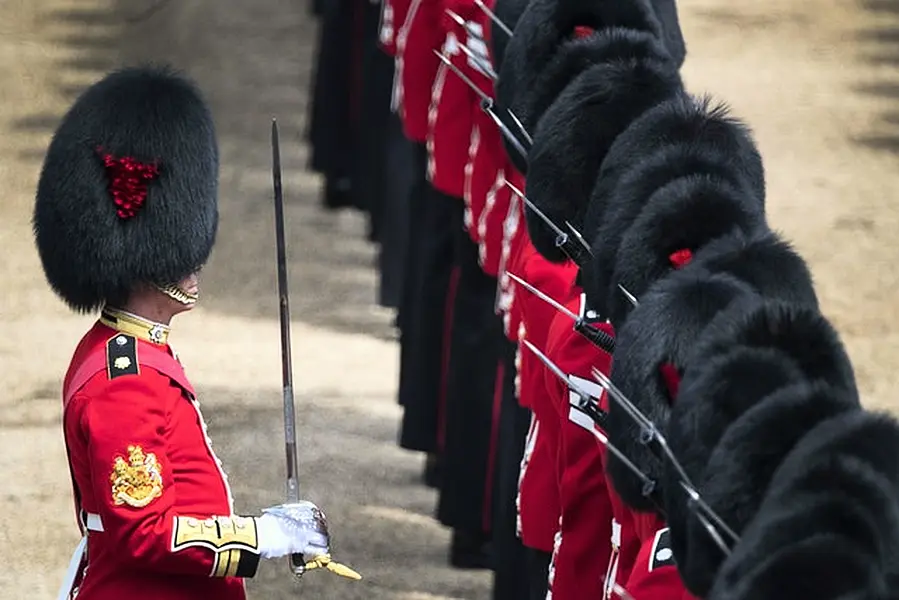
point(128, 190)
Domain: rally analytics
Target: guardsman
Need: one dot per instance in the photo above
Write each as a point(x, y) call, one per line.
point(125, 217)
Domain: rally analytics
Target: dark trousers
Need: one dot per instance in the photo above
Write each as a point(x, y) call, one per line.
point(511, 556)
point(426, 318)
point(538, 573)
point(397, 214)
point(474, 391)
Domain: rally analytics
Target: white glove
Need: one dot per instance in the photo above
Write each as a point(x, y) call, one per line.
point(299, 528)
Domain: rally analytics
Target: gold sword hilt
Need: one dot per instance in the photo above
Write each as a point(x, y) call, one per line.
point(323, 561)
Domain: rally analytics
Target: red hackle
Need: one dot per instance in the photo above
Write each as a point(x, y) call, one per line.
point(128, 180)
point(680, 258)
point(671, 378)
point(582, 31)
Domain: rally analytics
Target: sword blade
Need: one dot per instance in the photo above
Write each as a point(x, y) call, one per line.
point(297, 562)
point(290, 435)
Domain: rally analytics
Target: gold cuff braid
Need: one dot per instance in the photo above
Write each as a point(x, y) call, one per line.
point(216, 533)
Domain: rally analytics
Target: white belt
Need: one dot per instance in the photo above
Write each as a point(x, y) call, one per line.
point(92, 522)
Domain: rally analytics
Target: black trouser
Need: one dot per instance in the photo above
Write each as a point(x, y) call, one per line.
point(473, 396)
point(397, 217)
point(425, 313)
point(510, 554)
point(538, 573)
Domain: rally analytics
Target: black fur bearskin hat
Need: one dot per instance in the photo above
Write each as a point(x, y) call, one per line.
point(128, 190)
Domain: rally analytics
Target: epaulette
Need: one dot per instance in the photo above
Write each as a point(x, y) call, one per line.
point(121, 356)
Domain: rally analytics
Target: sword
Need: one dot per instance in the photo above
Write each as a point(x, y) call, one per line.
point(297, 562)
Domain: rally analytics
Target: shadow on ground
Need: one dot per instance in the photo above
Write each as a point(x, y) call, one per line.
point(879, 48)
point(379, 513)
point(254, 62)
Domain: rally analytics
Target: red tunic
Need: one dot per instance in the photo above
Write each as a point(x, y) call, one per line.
point(585, 528)
point(634, 564)
point(453, 102)
point(654, 575)
point(393, 15)
point(513, 231)
point(515, 238)
point(538, 494)
point(486, 164)
point(145, 473)
point(416, 67)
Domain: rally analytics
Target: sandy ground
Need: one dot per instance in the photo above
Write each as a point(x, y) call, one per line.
point(816, 79)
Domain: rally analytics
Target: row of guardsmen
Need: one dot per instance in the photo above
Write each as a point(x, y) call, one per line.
point(546, 195)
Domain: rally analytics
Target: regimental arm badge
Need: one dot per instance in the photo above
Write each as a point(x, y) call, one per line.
point(136, 481)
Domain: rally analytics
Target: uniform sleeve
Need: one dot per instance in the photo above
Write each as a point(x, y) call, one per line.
point(129, 453)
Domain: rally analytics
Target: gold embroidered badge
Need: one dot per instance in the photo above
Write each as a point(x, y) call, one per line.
point(122, 362)
point(137, 481)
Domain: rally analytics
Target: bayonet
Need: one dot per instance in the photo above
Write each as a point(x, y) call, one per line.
point(563, 241)
point(471, 31)
point(577, 235)
point(482, 63)
point(630, 297)
point(597, 336)
point(487, 103)
point(662, 450)
point(493, 17)
point(648, 484)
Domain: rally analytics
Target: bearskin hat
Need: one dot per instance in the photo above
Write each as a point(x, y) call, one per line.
point(763, 373)
point(829, 524)
point(684, 139)
point(553, 43)
point(651, 351)
point(128, 190)
point(575, 133)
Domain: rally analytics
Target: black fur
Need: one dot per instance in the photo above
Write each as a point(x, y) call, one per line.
point(546, 24)
point(663, 330)
point(748, 354)
point(799, 332)
point(737, 473)
point(507, 12)
point(681, 138)
point(673, 37)
point(829, 525)
point(575, 133)
point(574, 56)
point(685, 214)
point(544, 27)
point(763, 260)
point(92, 257)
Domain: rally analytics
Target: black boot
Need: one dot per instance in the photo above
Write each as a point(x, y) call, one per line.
point(432, 472)
point(471, 550)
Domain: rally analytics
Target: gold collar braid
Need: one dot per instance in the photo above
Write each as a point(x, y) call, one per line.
point(129, 323)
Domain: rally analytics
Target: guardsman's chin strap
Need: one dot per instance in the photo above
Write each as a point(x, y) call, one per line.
point(177, 294)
